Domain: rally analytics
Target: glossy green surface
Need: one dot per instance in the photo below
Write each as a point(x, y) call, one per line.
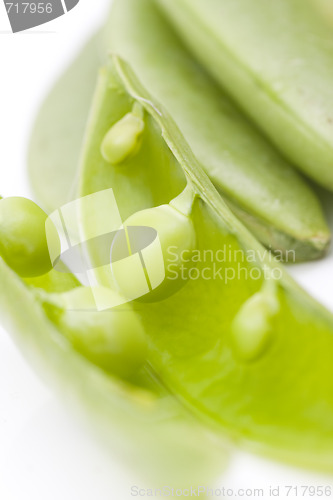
point(244, 167)
point(56, 138)
point(113, 340)
point(276, 59)
point(176, 237)
point(225, 353)
point(262, 188)
point(272, 402)
point(252, 329)
point(123, 140)
point(145, 427)
point(23, 243)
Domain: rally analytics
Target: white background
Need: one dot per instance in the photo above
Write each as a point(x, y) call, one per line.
point(44, 454)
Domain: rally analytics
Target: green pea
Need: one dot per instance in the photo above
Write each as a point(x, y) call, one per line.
point(23, 243)
point(123, 140)
point(252, 327)
point(163, 260)
point(113, 339)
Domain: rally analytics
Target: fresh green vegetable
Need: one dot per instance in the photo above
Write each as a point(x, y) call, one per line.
point(238, 349)
point(56, 139)
point(123, 139)
point(191, 334)
point(252, 327)
point(276, 59)
point(113, 339)
point(23, 243)
point(244, 167)
point(139, 421)
point(176, 233)
point(225, 339)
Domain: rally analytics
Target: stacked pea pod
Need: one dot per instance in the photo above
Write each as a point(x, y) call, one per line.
point(199, 359)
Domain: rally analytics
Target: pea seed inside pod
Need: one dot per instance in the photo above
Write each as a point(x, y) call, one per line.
point(23, 242)
point(251, 328)
point(151, 269)
point(124, 138)
point(112, 339)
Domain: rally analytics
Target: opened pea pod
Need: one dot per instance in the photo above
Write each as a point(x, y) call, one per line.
point(262, 189)
point(206, 335)
point(97, 360)
point(215, 332)
point(259, 185)
point(222, 340)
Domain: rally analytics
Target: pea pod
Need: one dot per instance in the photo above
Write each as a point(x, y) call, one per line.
point(275, 59)
point(133, 415)
point(56, 139)
point(191, 333)
point(244, 167)
point(276, 399)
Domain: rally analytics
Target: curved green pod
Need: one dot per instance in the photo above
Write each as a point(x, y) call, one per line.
point(56, 138)
point(259, 185)
point(273, 394)
point(244, 167)
point(138, 420)
point(275, 58)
